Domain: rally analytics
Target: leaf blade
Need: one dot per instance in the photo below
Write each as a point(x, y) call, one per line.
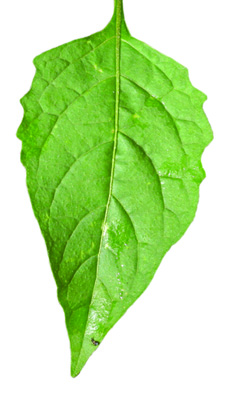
point(112, 171)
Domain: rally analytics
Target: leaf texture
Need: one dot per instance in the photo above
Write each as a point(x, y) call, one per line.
point(112, 137)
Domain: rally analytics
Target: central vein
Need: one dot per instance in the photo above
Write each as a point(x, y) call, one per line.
point(118, 19)
point(118, 11)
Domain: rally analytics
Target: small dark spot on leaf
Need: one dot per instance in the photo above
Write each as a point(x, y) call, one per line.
point(96, 343)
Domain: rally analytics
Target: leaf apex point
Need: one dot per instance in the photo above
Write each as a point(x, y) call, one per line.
point(75, 372)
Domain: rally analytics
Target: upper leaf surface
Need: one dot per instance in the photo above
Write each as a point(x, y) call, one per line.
point(112, 135)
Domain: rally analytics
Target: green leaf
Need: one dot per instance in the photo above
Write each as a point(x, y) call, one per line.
point(113, 134)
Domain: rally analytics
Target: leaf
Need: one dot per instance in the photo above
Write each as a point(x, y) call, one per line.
point(112, 134)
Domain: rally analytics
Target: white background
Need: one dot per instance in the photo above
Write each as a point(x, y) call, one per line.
point(175, 339)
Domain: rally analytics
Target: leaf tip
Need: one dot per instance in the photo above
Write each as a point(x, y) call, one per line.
point(76, 368)
point(74, 374)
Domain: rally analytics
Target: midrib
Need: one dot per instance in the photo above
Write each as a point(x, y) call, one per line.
point(118, 12)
